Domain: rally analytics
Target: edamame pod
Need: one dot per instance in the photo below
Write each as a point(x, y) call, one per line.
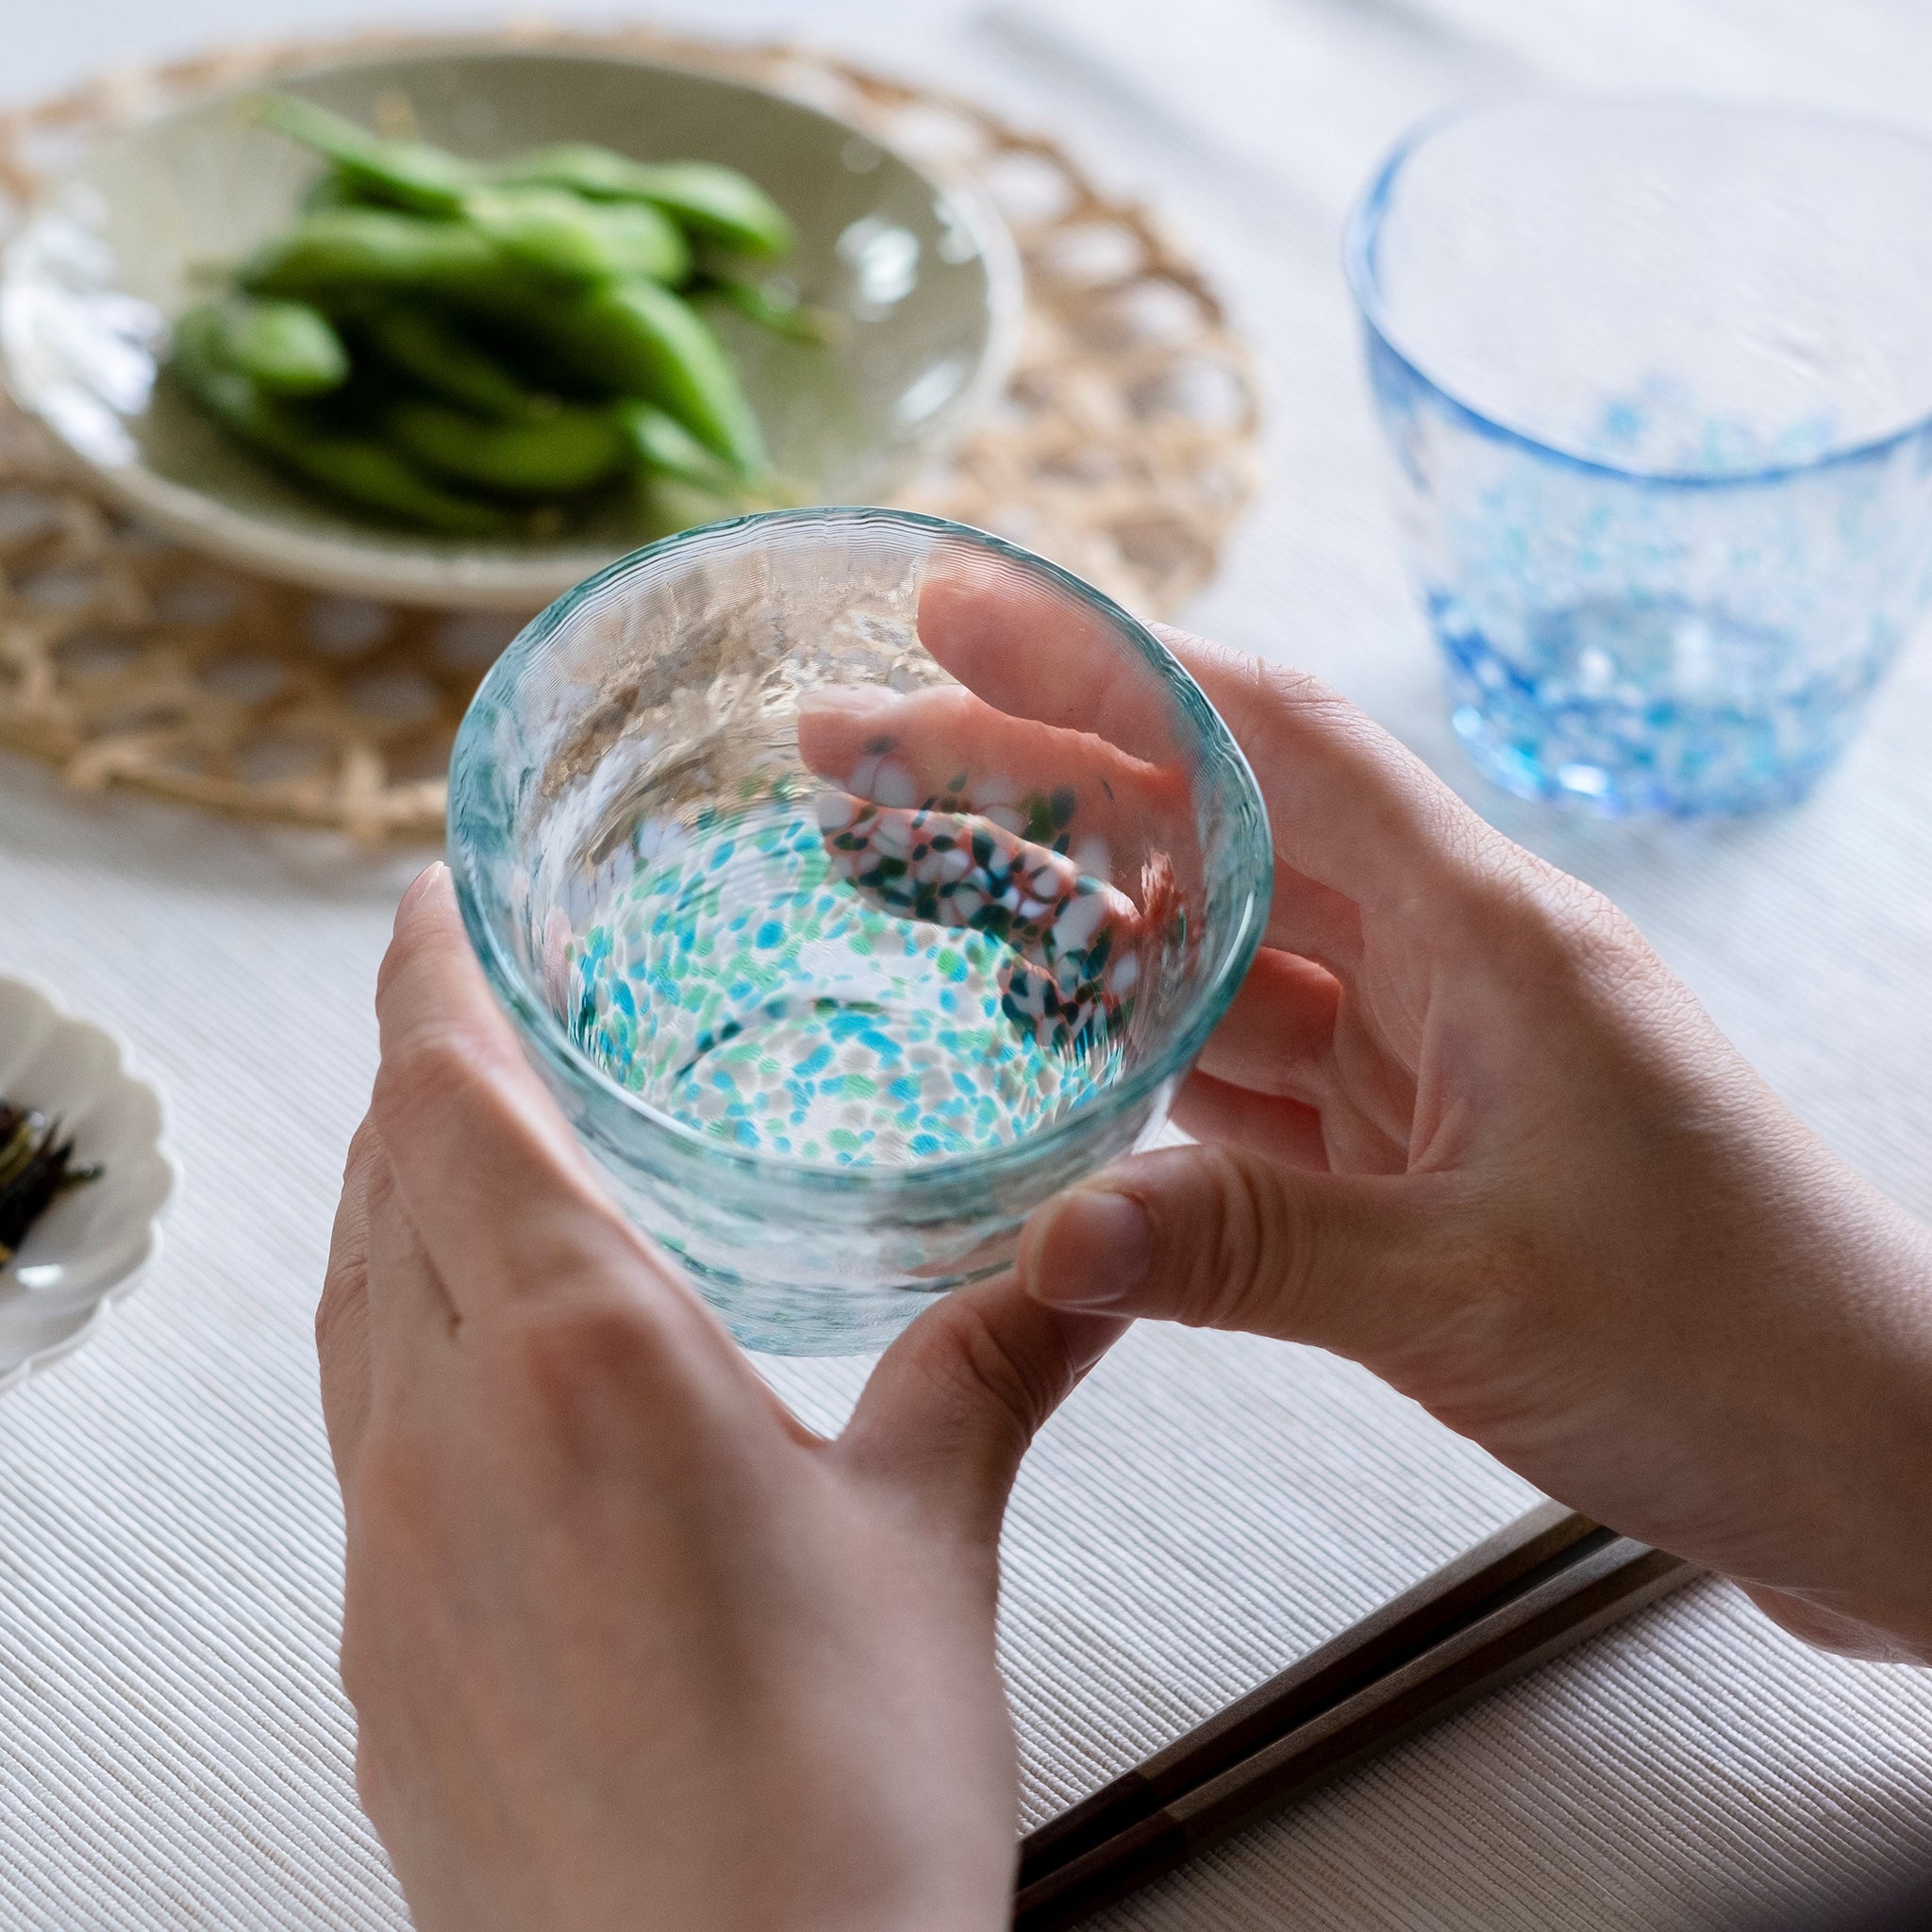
point(642, 241)
point(346, 251)
point(557, 457)
point(563, 236)
point(354, 469)
point(331, 188)
point(411, 174)
point(783, 314)
point(633, 338)
point(666, 448)
point(718, 203)
point(641, 340)
point(288, 347)
point(197, 356)
point(361, 471)
point(544, 230)
point(458, 284)
point(422, 345)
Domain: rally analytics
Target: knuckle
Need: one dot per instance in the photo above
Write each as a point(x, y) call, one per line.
point(1267, 1246)
point(382, 1198)
point(365, 1150)
point(1560, 933)
point(1281, 686)
point(586, 1342)
point(1580, 917)
point(1250, 1265)
point(1020, 1387)
point(341, 1309)
point(342, 1290)
point(1470, 847)
point(1282, 692)
point(432, 1074)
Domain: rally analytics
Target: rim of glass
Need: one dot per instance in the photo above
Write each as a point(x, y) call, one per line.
point(1361, 236)
point(543, 1028)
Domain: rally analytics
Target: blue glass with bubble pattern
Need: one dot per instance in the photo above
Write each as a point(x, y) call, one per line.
point(857, 880)
point(1656, 377)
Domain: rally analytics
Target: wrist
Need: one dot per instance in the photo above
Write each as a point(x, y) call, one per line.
point(1749, 1386)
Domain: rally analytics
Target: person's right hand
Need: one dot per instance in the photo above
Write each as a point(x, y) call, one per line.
point(1460, 1125)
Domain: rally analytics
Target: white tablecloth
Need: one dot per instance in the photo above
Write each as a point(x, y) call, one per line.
point(174, 1750)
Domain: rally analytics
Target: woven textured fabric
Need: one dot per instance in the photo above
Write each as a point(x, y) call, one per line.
point(173, 1751)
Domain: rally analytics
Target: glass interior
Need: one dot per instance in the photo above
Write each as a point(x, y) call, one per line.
point(1673, 289)
point(851, 847)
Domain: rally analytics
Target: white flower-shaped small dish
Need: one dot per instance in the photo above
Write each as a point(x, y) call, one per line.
point(87, 1250)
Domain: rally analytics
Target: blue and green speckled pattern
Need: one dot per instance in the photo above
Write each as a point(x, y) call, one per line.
point(758, 978)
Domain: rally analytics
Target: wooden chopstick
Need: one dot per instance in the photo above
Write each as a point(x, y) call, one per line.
point(1540, 1585)
point(1390, 1635)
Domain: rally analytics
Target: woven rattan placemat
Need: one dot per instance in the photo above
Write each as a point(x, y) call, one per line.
point(1125, 448)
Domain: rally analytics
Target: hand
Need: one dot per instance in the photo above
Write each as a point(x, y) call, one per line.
point(1461, 1127)
point(942, 807)
point(626, 1644)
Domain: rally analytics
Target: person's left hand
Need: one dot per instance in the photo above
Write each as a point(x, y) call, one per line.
point(626, 1643)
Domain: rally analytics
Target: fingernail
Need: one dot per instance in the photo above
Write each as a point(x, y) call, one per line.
point(1091, 1337)
point(853, 700)
point(1094, 1252)
point(421, 884)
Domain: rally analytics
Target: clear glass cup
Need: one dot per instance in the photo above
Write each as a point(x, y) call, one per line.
point(857, 881)
point(1658, 379)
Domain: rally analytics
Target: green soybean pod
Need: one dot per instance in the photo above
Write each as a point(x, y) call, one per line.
point(357, 470)
point(346, 251)
point(716, 202)
point(582, 166)
point(642, 241)
point(197, 354)
point(641, 340)
point(720, 204)
point(662, 445)
point(566, 238)
point(424, 345)
point(544, 230)
point(330, 190)
point(563, 454)
point(288, 347)
point(411, 174)
point(782, 314)
point(361, 471)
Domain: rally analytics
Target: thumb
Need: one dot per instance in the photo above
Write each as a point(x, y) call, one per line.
point(954, 1403)
point(1217, 1237)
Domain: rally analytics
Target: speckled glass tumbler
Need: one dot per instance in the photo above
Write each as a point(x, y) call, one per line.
point(1658, 379)
point(857, 881)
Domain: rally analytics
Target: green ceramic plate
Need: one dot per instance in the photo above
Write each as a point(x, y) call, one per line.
point(924, 272)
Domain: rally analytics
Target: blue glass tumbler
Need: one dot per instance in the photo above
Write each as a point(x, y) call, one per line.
point(857, 881)
point(1656, 377)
